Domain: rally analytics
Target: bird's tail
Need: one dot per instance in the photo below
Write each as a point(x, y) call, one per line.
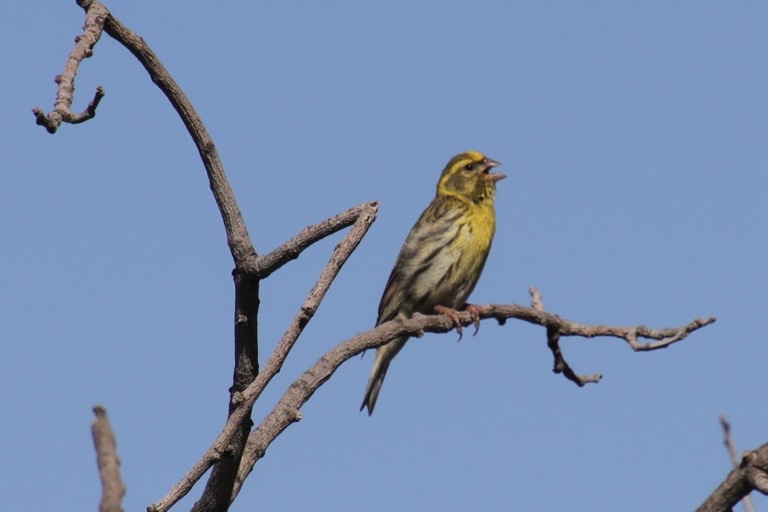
point(384, 356)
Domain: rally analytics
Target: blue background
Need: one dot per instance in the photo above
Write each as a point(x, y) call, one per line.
point(633, 136)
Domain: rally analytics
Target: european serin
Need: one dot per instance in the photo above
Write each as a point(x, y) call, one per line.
point(442, 257)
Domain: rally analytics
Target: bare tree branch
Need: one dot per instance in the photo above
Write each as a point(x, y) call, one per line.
point(340, 255)
point(287, 410)
point(249, 269)
point(556, 328)
point(219, 489)
point(728, 440)
point(112, 488)
point(366, 215)
point(553, 342)
point(98, 19)
point(238, 238)
point(307, 310)
point(92, 28)
point(751, 474)
point(536, 302)
point(730, 447)
point(265, 265)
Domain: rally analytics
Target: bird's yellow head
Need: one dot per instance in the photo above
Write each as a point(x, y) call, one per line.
point(468, 176)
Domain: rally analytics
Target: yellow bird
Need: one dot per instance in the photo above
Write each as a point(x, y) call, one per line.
point(443, 256)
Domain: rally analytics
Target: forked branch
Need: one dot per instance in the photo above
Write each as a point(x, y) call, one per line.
point(287, 411)
point(364, 216)
point(98, 19)
point(265, 265)
point(62, 113)
point(557, 327)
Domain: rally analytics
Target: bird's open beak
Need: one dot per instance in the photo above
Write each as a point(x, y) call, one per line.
point(489, 176)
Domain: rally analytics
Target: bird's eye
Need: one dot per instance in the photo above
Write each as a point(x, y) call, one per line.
point(469, 167)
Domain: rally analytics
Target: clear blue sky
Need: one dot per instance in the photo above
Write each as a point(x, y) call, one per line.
point(634, 138)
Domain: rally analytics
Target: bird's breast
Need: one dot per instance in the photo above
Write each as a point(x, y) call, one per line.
point(455, 266)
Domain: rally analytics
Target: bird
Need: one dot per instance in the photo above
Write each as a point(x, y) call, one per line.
point(442, 257)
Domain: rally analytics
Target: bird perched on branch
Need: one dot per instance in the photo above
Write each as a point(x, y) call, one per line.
point(443, 256)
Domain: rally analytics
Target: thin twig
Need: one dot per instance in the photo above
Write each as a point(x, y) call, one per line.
point(62, 113)
point(730, 447)
point(536, 302)
point(557, 327)
point(265, 265)
point(561, 365)
point(112, 487)
point(553, 343)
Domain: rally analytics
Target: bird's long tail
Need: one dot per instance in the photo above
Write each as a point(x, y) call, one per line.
point(384, 356)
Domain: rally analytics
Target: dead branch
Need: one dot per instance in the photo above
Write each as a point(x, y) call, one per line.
point(366, 215)
point(730, 447)
point(751, 474)
point(218, 490)
point(287, 410)
point(249, 268)
point(98, 18)
point(238, 238)
point(92, 28)
point(265, 265)
point(112, 487)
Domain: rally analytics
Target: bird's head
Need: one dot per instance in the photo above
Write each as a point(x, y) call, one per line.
point(468, 176)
